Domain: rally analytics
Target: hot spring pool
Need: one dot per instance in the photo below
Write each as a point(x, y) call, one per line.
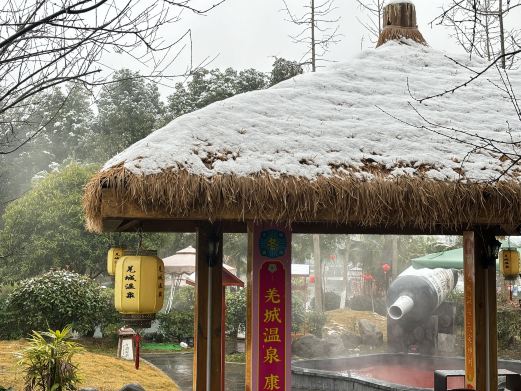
point(387, 371)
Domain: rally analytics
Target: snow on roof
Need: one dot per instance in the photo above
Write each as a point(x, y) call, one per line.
point(355, 118)
point(398, 2)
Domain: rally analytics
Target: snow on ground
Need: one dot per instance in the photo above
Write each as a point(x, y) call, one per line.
point(354, 118)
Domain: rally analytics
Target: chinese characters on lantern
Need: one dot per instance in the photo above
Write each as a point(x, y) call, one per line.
point(130, 282)
point(160, 281)
point(272, 319)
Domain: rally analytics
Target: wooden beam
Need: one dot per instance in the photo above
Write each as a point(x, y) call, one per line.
point(249, 314)
point(113, 208)
point(201, 311)
point(216, 311)
point(166, 225)
point(207, 368)
point(480, 312)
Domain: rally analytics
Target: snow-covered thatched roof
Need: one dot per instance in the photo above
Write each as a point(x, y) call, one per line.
point(347, 144)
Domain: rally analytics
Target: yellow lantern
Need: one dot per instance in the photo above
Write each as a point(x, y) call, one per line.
point(139, 287)
point(509, 263)
point(112, 257)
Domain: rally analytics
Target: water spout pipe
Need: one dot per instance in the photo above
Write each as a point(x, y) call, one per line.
point(400, 307)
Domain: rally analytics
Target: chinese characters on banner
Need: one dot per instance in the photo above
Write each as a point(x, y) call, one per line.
point(470, 329)
point(272, 304)
point(272, 326)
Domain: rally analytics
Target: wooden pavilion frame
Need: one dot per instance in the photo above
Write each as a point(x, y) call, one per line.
point(123, 215)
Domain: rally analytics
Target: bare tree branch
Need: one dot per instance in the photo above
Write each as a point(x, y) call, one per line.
point(316, 31)
point(44, 44)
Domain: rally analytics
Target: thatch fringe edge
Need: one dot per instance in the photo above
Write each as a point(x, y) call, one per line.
point(404, 201)
point(395, 33)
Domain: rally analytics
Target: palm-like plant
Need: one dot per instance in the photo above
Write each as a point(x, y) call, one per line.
point(47, 362)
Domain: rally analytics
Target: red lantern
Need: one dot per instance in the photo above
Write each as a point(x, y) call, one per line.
point(368, 277)
point(312, 279)
point(386, 267)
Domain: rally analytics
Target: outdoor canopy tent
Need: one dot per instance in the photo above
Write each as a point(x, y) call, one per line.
point(183, 262)
point(346, 150)
point(449, 259)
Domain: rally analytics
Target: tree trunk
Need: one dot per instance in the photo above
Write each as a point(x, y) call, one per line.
point(502, 34)
point(399, 21)
point(394, 266)
point(380, 11)
point(345, 272)
point(487, 29)
point(318, 273)
point(400, 14)
point(313, 52)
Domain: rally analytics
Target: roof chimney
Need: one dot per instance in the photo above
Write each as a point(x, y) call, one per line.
point(399, 21)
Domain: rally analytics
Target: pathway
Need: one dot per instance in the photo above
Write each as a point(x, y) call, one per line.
point(178, 366)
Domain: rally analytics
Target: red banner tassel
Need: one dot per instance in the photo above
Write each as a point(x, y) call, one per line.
point(137, 338)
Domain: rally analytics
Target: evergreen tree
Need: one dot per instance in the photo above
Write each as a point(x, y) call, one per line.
point(209, 86)
point(64, 116)
point(129, 109)
point(284, 69)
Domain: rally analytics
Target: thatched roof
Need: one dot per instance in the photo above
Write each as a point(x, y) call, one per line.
point(348, 144)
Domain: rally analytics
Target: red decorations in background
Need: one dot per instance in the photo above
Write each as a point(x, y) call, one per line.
point(368, 277)
point(386, 267)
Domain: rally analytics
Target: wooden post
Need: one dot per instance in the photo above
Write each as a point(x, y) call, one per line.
point(480, 313)
point(249, 313)
point(223, 339)
point(207, 371)
point(399, 21)
point(400, 14)
point(319, 294)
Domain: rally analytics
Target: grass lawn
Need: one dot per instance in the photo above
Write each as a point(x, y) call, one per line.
point(98, 370)
point(161, 347)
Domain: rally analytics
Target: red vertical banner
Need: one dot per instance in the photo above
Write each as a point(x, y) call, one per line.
point(469, 316)
point(271, 313)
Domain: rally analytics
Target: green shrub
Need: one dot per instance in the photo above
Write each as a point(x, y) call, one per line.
point(107, 318)
point(361, 303)
point(54, 300)
point(331, 301)
point(184, 299)
point(315, 322)
point(508, 327)
point(364, 303)
point(235, 312)
point(298, 313)
point(177, 325)
point(47, 362)
point(457, 299)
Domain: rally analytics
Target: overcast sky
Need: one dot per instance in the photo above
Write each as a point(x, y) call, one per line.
point(250, 33)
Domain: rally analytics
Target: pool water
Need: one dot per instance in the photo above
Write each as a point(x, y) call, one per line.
point(404, 375)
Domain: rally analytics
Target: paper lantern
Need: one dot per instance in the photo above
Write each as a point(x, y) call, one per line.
point(114, 254)
point(139, 287)
point(509, 263)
